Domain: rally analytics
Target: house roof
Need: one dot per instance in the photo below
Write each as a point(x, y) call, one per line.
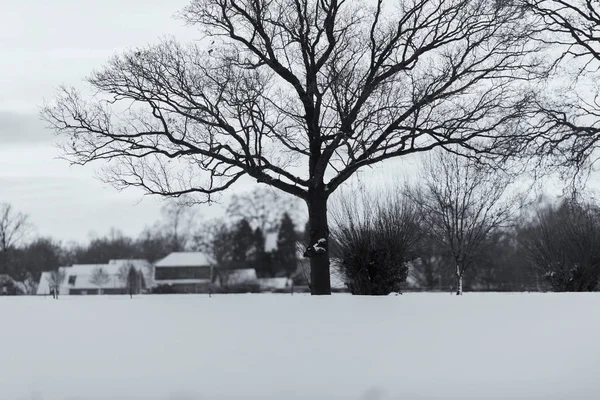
point(82, 274)
point(185, 259)
point(112, 268)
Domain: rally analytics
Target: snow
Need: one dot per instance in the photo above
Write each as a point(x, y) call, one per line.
point(282, 347)
point(239, 276)
point(318, 247)
point(274, 283)
point(185, 259)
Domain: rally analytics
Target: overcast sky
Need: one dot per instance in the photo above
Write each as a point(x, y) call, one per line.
point(45, 44)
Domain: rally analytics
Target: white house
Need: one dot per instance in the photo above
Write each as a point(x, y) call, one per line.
point(78, 278)
point(185, 272)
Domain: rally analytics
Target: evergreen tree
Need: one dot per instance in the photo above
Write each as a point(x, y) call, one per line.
point(260, 259)
point(287, 238)
point(243, 240)
point(257, 249)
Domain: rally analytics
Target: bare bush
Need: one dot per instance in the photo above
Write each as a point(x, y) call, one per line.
point(373, 241)
point(563, 244)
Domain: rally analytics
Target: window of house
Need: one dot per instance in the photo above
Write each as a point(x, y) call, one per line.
point(72, 279)
point(172, 273)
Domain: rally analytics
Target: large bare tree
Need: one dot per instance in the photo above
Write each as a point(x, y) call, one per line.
point(301, 94)
point(462, 204)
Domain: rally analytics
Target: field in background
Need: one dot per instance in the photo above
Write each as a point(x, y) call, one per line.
point(281, 347)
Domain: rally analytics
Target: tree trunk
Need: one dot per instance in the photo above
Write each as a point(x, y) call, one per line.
point(318, 248)
point(459, 282)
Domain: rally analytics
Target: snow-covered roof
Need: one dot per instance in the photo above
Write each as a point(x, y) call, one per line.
point(112, 268)
point(78, 276)
point(185, 259)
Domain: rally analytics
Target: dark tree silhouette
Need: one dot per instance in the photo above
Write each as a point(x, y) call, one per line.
point(243, 244)
point(299, 95)
point(373, 240)
point(286, 257)
point(263, 207)
point(563, 244)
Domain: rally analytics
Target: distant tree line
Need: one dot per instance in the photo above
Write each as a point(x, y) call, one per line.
point(459, 225)
point(236, 241)
point(464, 226)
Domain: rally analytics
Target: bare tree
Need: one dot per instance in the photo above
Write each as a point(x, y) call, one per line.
point(179, 220)
point(264, 208)
point(13, 227)
point(55, 280)
point(564, 126)
point(99, 278)
point(462, 204)
point(301, 94)
point(132, 278)
point(216, 239)
point(563, 245)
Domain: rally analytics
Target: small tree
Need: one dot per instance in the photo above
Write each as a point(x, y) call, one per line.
point(99, 278)
point(373, 241)
point(132, 278)
point(55, 280)
point(286, 258)
point(243, 243)
point(216, 239)
point(563, 243)
point(462, 204)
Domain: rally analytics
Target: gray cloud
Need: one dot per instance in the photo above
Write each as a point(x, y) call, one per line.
point(23, 128)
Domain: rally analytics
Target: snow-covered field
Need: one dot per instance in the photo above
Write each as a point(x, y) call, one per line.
point(281, 347)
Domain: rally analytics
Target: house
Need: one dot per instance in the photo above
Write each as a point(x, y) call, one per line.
point(185, 272)
point(78, 278)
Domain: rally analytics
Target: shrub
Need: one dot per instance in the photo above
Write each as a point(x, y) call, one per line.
point(563, 244)
point(373, 241)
